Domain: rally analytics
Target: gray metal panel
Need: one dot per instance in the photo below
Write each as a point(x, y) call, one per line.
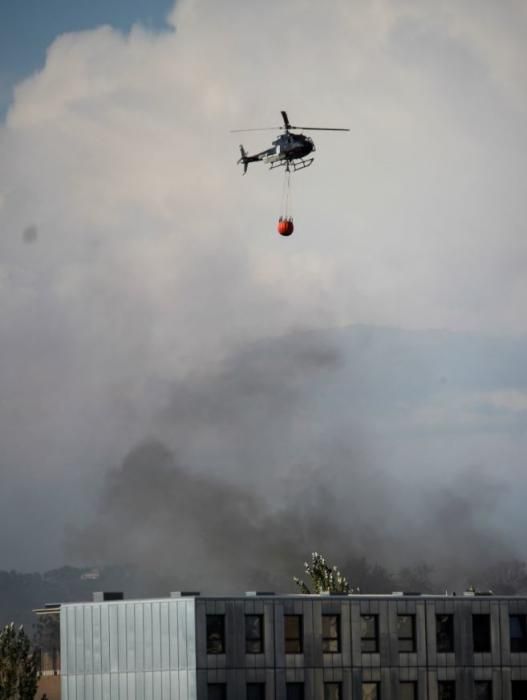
point(165, 639)
point(312, 650)
point(384, 635)
point(148, 641)
point(70, 640)
point(200, 634)
point(504, 634)
point(110, 637)
point(139, 652)
point(316, 632)
point(121, 637)
point(88, 641)
point(156, 644)
point(269, 656)
point(113, 638)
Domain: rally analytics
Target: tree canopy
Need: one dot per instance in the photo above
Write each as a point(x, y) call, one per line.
point(18, 665)
point(324, 578)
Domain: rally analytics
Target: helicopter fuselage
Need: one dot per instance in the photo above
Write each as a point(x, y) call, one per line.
point(290, 147)
point(287, 148)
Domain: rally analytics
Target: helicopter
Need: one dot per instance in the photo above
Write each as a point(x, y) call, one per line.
point(288, 150)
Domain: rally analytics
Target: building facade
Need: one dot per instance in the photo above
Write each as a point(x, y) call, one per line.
point(296, 647)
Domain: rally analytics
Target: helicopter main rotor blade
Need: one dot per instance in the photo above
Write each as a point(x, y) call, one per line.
point(263, 128)
point(287, 125)
point(317, 128)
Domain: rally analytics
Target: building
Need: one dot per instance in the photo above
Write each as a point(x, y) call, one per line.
point(296, 647)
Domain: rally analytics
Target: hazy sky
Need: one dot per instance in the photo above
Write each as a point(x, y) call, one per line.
point(28, 27)
point(136, 262)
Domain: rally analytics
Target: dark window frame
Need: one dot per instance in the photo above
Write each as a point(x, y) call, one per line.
point(328, 640)
point(412, 684)
point(223, 691)
point(331, 685)
point(518, 690)
point(446, 685)
point(299, 640)
point(296, 686)
point(404, 638)
point(376, 685)
point(260, 695)
point(257, 641)
point(518, 644)
point(365, 640)
point(481, 638)
point(215, 647)
point(445, 637)
point(486, 684)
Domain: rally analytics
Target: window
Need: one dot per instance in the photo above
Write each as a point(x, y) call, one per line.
point(445, 633)
point(407, 691)
point(406, 633)
point(332, 691)
point(518, 633)
point(255, 691)
point(369, 633)
point(217, 691)
point(370, 691)
point(483, 690)
point(519, 690)
point(216, 634)
point(293, 634)
point(254, 634)
point(481, 633)
point(446, 690)
point(294, 691)
point(330, 634)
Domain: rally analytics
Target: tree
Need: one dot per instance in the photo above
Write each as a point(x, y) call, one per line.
point(505, 578)
point(18, 665)
point(324, 579)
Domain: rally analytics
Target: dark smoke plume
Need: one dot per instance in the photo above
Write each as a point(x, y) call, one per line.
point(256, 485)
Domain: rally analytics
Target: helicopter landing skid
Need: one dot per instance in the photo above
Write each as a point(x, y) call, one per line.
point(299, 164)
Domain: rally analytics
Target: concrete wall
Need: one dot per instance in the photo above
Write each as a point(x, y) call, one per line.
point(129, 650)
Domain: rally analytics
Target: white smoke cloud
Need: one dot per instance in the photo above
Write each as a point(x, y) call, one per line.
point(153, 258)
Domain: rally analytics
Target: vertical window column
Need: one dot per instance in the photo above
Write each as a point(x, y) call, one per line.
point(215, 634)
point(369, 634)
point(293, 634)
point(481, 633)
point(445, 633)
point(330, 634)
point(406, 633)
point(254, 634)
point(518, 633)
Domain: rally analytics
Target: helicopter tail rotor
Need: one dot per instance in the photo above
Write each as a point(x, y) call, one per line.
point(244, 159)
